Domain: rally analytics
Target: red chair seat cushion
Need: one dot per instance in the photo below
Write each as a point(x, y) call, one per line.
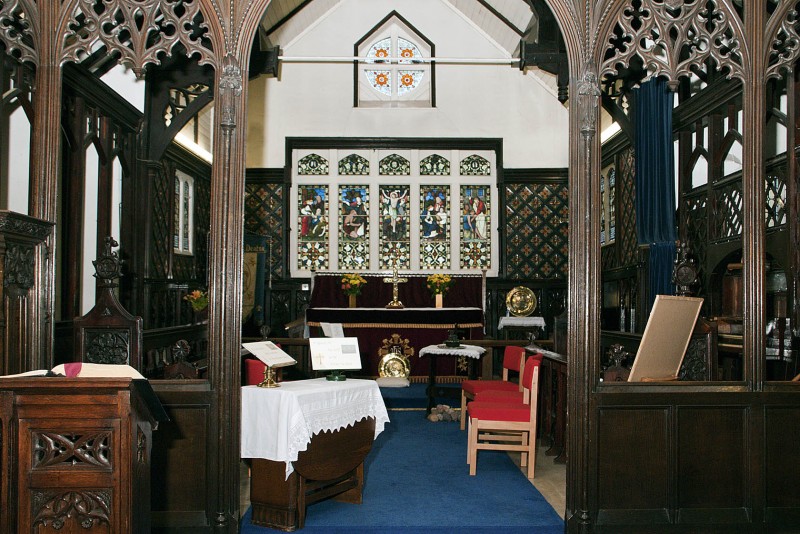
point(499, 411)
point(474, 386)
point(499, 395)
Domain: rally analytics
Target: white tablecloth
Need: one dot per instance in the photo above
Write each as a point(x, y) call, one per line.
point(471, 351)
point(278, 423)
point(521, 321)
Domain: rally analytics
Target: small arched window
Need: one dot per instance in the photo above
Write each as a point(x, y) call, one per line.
point(397, 71)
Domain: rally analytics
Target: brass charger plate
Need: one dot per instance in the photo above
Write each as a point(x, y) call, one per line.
point(394, 366)
point(521, 301)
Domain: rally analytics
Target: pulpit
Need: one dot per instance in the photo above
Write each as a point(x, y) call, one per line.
point(76, 453)
point(419, 321)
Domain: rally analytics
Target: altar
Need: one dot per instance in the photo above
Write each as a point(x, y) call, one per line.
point(419, 321)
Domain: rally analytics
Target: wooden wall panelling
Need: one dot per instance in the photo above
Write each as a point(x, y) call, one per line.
point(181, 483)
point(633, 483)
point(782, 496)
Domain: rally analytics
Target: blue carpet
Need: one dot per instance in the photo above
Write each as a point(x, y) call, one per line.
point(417, 481)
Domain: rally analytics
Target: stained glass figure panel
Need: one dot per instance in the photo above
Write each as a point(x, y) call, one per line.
point(395, 233)
point(312, 250)
point(354, 165)
point(434, 217)
point(312, 164)
point(394, 165)
point(354, 227)
point(434, 165)
point(475, 227)
point(475, 165)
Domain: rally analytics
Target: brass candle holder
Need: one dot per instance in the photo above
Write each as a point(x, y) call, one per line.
point(269, 378)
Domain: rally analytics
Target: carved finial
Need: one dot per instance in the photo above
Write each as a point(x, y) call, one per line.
point(107, 266)
point(684, 272)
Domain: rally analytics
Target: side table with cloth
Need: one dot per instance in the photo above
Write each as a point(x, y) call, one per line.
point(308, 440)
point(432, 351)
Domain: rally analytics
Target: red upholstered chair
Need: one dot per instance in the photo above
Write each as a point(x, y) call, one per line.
point(502, 395)
point(509, 426)
point(513, 360)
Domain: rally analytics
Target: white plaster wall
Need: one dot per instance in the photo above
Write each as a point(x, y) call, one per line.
point(123, 81)
point(316, 100)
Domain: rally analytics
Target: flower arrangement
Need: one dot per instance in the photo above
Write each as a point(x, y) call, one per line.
point(438, 284)
point(352, 284)
point(197, 299)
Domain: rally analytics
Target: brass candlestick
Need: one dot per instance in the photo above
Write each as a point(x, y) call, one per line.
point(269, 378)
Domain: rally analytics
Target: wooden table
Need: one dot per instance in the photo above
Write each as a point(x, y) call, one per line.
point(432, 351)
point(308, 440)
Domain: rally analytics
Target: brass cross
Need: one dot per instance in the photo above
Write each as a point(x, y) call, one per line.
point(394, 280)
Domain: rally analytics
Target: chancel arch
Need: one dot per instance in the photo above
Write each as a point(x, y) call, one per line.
point(750, 42)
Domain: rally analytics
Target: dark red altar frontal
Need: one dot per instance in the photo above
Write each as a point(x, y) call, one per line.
point(421, 326)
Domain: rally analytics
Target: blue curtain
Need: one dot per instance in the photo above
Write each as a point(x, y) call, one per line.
point(655, 181)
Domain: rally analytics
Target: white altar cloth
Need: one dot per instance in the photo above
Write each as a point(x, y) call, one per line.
point(470, 351)
point(521, 321)
point(278, 423)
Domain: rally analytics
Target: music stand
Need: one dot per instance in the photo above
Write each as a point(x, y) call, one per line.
point(335, 354)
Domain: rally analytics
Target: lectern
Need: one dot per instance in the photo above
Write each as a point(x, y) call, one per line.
point(76, 454)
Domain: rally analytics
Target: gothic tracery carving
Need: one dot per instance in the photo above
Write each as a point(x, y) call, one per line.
point(50, 448)
point(671, 37)
point(18, 29)
point(139, 31)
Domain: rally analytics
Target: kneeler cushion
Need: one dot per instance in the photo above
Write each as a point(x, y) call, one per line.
point(499, 411)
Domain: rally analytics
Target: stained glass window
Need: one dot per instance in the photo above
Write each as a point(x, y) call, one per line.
point(396, 69)
point(354, 227)
point(434, 215)
point(434, 165)
point(476, 240)
point(393, 208)
point(312, 253)
point(354, 165)
point(395, 233)
point(394, 165)
point(183, 214)
point(312, 164)
point(608, 215)
point(475, 165)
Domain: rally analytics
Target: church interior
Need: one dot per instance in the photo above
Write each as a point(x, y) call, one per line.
point(621, 173)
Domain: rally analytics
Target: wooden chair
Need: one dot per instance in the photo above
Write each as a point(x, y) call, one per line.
point(513, 360)
point(108, 334)
point(509, 426)
point(502, 395)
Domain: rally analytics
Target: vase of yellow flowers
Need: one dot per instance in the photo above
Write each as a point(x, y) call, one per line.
point(198, 300)
point(439, 284)
point(352, 284)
